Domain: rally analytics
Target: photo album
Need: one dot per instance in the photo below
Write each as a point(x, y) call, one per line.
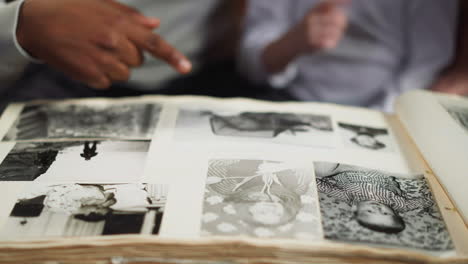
point(164, 179)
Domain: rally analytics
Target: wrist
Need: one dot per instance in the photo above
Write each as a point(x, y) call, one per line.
point(296, 41)
point(280, 53)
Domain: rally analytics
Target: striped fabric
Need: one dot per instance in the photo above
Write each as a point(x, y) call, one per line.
point(356, 186)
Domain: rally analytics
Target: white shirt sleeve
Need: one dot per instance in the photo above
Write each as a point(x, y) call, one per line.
point(13, 58)
point(267, 21)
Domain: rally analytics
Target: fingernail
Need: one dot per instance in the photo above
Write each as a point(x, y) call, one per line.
point(147, 21)
point(185, 65)
point(152, 21)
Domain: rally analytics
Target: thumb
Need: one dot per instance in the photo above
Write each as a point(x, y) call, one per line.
point(447, 86)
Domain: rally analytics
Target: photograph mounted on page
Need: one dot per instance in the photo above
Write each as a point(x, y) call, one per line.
point(85, 119)
point(259, 198)
point(458, 110)
point(365, 137)
point(258, 127)
point(371, 206)
point(81, 210)
point(75, 161)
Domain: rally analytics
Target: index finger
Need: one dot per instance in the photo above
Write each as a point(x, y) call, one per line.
point(159, 48)
point(145, 39)
point(144, 20)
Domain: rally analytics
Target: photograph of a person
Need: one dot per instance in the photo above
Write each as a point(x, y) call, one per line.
point(82, 120)
point(75, 161)
point(364, 137)
point(371, 206)
point(268, 127)
point(74, 210)
point(259, 198)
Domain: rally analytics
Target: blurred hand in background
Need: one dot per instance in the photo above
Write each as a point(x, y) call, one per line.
point(453, 81)
point(321, 29)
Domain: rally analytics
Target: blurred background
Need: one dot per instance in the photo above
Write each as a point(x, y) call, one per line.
point(209, 33)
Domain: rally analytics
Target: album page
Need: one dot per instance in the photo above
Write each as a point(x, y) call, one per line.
point(192, 168)
point(438, 124)
point(302, 171)
point(74, 168)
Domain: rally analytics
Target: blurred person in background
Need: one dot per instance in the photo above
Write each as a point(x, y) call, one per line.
point(371, 39)
point(79, 48)
point(454, 79)
point(354, 52)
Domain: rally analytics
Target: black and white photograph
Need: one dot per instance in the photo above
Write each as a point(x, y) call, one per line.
point(78, 210)
point(82, 120)
point(365, 137)
point(258, 198)
point(459, 114)
point(371, 206)
point(266, 127)
point(75, 161)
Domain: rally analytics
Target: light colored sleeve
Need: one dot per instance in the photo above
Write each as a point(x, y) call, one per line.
point(266, 21)
point(431, 41)
point(13, 59)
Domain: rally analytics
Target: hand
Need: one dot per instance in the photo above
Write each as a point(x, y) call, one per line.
point(453, 81)
point(322, 28)
point(92, 41)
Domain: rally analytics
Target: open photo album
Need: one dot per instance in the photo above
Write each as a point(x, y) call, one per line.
point(160, 179)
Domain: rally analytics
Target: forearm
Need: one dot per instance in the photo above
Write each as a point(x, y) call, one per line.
point(266, 21)
point(280, 53)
